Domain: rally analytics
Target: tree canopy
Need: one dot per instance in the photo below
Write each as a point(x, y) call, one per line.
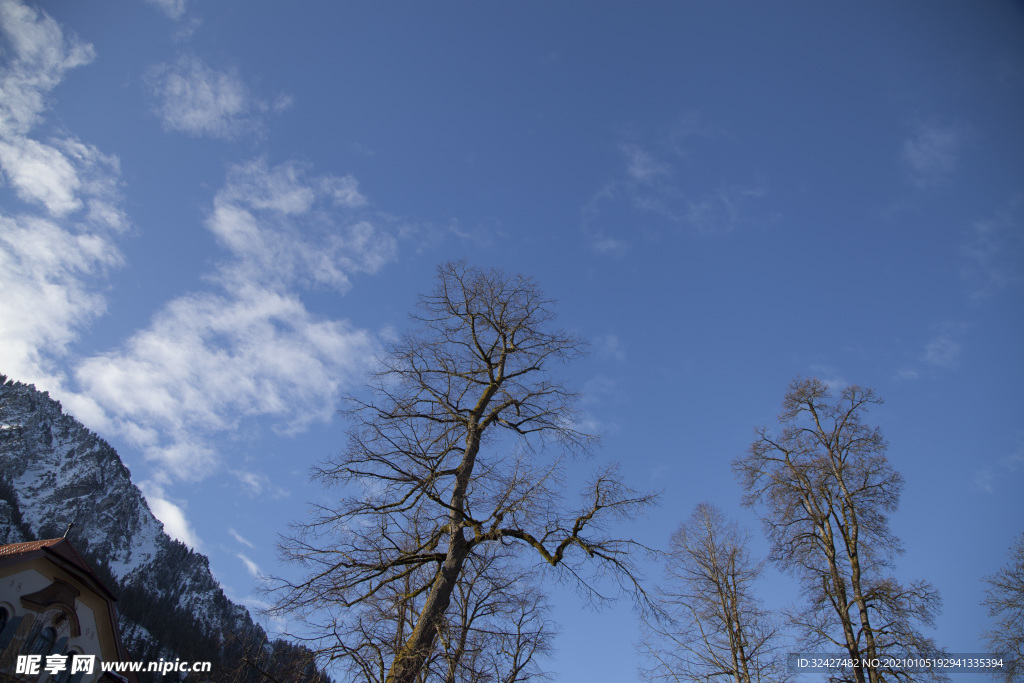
point(458, 446)
point(826, 489)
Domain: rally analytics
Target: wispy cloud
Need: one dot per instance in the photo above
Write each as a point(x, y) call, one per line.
point(907, 373)
point(641, 166)
point(40, 173)
point(279, 228)
point(198, 100)
point(47, 275)
point(256, 484)
point(481, 236)
point(245, 348)
point(37, 53)
point(941, 351)
point(649, 183)
point(930, 155)
point(43, 174)
point(249, 348)
point(985, 479)
point(175, 9)
point(691, 126)
point(598, 389)
point(55, 252)
point(830, 376)
point(251, 567)
point(609, 347)
point(993, 254)
point(722, 210)
point(241, 539)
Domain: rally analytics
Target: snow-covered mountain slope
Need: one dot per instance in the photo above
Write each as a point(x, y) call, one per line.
point(54, 471)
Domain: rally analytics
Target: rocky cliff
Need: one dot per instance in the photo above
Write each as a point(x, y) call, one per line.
point(54, 471)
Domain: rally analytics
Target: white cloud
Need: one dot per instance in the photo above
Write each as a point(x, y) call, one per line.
point(195, 99)
point(641, 166)
point(238, 537)
point(45, 276)
point(36, 56)
point(942, 351)
point(256, 484)
point(252, 481)
point(907, 374)
point(198, 100)
point(255, 217)
point(251, 566)
point(63, 178)
point(53, 264)
point(40, 173)
point(604, 244)
point(171, 515)
point(930, 155)
point(247, 348)
point(172, 8)
point(210, 360)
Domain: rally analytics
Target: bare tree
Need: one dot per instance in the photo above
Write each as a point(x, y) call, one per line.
point(1004, 599)
point(711, 625)
point(495, 630)
point(498, 625)
point(827, 490)
point(458, 446)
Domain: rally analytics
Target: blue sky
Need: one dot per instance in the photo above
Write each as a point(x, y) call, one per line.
point(212, 215)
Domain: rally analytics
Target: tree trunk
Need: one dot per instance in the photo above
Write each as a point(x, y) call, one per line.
point(410, 659)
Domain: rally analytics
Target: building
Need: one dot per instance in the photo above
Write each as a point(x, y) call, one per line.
point(53, 604)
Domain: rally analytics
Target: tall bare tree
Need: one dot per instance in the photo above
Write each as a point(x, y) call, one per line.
point(459, 445)
point(496, 629)
point(1004, 599)
point(711, 625)
point(827, 490)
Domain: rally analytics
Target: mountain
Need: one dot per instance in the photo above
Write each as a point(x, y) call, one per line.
point(54, 471)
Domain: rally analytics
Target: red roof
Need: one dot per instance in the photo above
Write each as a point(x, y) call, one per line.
point(27, 546)
point(63, 549)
